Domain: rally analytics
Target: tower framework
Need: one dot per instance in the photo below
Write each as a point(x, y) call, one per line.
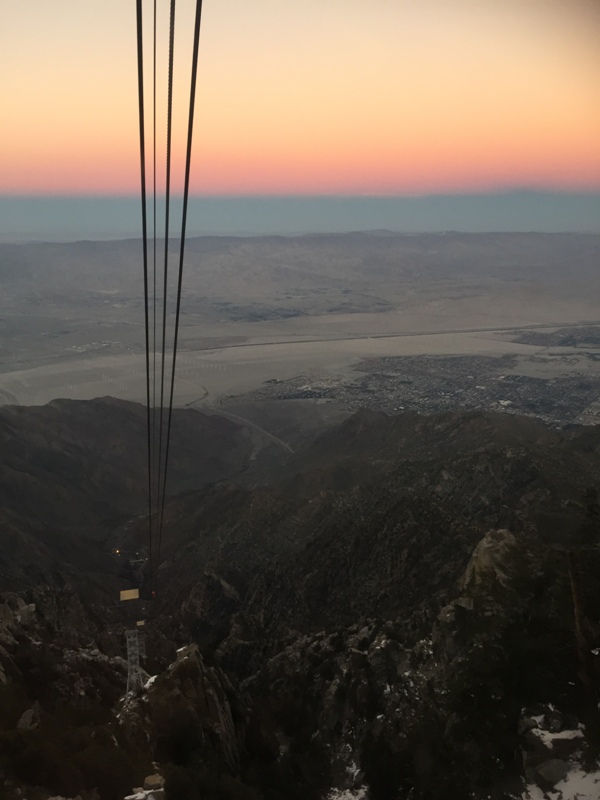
point(134, 673)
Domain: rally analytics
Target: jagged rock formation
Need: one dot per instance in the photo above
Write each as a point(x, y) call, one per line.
point(191, 715)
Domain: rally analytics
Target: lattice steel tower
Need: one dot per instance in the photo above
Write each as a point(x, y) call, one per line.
point(134, 672)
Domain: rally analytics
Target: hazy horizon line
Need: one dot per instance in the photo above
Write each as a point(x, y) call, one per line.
point(109, 217)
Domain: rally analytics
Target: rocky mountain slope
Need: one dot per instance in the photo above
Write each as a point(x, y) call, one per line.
point(405, 607)
point(379, 515)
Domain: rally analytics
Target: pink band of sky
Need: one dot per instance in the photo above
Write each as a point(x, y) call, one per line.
point(314, 97)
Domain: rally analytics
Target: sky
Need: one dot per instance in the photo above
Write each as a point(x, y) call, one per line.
point(318, 97)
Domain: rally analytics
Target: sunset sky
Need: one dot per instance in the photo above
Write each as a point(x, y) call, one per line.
point(341, 97)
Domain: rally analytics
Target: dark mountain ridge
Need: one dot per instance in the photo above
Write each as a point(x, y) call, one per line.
point(370, 614)
point(72, 473)
point(377, 517)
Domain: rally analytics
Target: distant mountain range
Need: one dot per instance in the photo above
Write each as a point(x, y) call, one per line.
point(70, 218)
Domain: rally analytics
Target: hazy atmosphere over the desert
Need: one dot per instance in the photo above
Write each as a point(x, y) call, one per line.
point(300, 400)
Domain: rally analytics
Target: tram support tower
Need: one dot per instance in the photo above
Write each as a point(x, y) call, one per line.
point(136, 645)
point(134, 672)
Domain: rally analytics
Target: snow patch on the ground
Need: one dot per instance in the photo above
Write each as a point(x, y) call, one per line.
point(548, 738)
point(348, 794)
point(578, 785)
point(352, 770)
point(150, 681)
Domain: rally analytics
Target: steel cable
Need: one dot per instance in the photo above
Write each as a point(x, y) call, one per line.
point(160, 497)
point(140, 55)
point(159, 433)
point(186, 188)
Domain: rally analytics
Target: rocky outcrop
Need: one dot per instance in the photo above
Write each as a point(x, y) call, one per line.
point(346, 704)
point(190, 715)
point(490, 559)
point(442, 717)
point(557, 754)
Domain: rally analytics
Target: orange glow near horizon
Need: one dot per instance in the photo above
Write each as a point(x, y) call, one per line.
point(412, 96)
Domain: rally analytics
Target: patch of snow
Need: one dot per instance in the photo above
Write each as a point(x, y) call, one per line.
point(150, 681)
point(533, 792)
point(349, 794)
point(352, 769)
point(578, 785)
point(548, 738)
